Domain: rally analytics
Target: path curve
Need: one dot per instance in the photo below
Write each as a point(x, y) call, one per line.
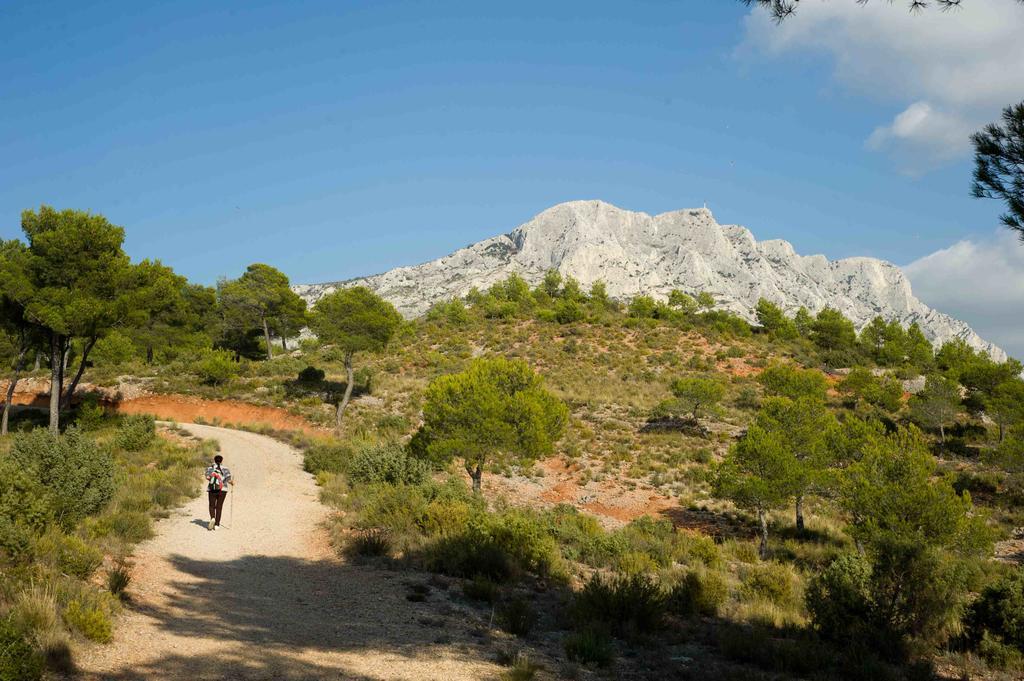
point(266, 598)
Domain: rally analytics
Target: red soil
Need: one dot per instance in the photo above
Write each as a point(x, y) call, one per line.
point(188, 409)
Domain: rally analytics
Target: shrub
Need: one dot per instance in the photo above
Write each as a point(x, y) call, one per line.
point(518, 617)
point(522, 669)
point(999, 612)
point(325, 457)
point(131, 526)
point(216, 367)
point(118, 578)
point(18, 660)
point(90, 413)
point(838, 598)
point(74, 556)
point(388, 464)
point(699, 593)
point(89, 620)
point(75, 471)
point(135, 432)
point(370, 543)
point(25, 509)
point(461, 556)
point(112, 350)
point(626, 604)
point(590, 644)
point(481, 588)
point(568, 311)
point(772, 582)
point(311, 375)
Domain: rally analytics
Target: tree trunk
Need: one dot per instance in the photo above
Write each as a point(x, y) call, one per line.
point(1001, 431)
point(284, 343)
point(149, 354)
point(18, 366)
point(36, 368)
point(349, 379)
point(942, 433)
point(762, 519)
point(476, 474)
point(78, 375)
point(56, 358)
point(266, 336)
point(800, 513)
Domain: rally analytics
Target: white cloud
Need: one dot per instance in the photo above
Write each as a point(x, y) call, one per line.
point(980, 282)
point(953, 71)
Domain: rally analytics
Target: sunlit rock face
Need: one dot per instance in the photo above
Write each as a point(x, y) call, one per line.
point(636, 253)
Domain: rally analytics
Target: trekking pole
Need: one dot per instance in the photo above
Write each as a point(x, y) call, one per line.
point(232, 511)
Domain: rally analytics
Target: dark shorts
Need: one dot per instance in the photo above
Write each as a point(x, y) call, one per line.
point(217, 504)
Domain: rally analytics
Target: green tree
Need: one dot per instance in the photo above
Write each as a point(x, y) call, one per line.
point(832, 332)
point(786, 380)
point(15, 329)
point(892, 494)
point(757, 474)
point(642, 307)
point(290, 319)
point(804, 322)
point(353, 320)
point(805, 428)
point(705, 300)
point(999, 165)
point(682, 302)
point(919, 351)
point(1006, 405)
point(552, 283)
point(73, 283)
point(937, 404)
point(879, 391)
point(773, 320)
point(495, 409)
point(695, 395)
point(571, 291)
point(256, 299)
point(599, 295)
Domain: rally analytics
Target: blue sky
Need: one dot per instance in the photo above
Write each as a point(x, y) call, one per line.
point(333, 139)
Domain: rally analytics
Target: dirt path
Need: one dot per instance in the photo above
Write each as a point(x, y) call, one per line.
point(267, 599)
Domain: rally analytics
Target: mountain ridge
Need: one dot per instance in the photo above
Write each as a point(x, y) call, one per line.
point(635, 253)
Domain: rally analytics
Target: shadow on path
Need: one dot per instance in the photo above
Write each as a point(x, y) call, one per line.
point(286, 618)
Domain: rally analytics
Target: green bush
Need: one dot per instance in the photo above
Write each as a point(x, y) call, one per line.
point(461, 556)
point(388, 464)
point(591, 644)
point(25, 508)
point(90, 413)
point(18, 660)
point(772, 582)
point(326, 457)
point(517, 617)
point(76, 472)
point(216, 367)
point(999, 612)
point(626, 604)
point(89, 620)
point(839, 600)
point(370, 543)
point(481, 588)
point(135, 432)
point(131, 526)
point(74, 556)
point(699, 593)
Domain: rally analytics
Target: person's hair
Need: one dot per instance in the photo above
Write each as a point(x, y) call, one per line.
point(218, 459)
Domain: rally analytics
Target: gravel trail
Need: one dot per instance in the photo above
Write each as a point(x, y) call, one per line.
point(266, 598)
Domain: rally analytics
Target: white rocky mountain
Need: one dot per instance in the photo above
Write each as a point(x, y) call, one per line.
point(636, 253)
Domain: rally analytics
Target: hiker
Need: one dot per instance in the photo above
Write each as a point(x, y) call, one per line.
point(218, 478)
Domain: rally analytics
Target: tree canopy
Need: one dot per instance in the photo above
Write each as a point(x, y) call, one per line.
point(999, 165)
point(496, 408)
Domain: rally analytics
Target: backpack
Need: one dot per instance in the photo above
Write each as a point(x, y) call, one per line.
point(216, 480)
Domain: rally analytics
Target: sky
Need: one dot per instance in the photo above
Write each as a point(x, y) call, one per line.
point(337, 139)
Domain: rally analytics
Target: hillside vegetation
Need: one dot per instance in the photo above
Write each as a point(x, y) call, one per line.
point(636, 489)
